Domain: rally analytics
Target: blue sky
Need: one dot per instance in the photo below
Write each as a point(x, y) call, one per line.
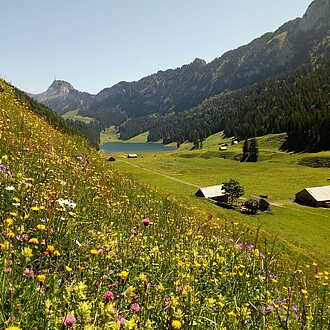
point(96, 43)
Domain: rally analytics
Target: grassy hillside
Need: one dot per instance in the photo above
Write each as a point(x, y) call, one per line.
point(86, 247)
point(74, 116)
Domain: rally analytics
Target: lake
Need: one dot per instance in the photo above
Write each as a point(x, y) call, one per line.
point(134, 147)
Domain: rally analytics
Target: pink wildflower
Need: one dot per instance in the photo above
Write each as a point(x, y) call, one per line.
point(69, 320)
point(146, 222)
point(108, 295)
point(135, 307)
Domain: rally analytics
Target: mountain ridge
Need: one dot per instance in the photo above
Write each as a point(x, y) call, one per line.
point(174, 90)
point(62, 97)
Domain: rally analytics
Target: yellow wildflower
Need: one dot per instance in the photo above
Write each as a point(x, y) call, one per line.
point(56, 253)
point(33, 240)
point(9, 221)
point(41, 278)
point(123, 275)
point(10, 234)
point(41, 227)
point(67, 268)
point(27, 253)
point(304, 292)
point(94, 251)
point(176, 324)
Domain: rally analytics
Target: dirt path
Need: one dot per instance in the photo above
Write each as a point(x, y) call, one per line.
point(161, 174)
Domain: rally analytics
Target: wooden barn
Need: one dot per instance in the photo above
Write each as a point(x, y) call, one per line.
point(315, 196)
point(213, 192)
point(132, 156)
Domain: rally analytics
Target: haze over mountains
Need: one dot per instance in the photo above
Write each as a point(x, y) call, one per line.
point(297, 42)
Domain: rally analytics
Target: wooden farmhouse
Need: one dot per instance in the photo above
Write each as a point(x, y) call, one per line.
point(315, 196)
point(132, 156)
point(213, 192)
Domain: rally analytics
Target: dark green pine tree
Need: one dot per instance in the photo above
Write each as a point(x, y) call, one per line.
point(246, 148)
point(253, 150)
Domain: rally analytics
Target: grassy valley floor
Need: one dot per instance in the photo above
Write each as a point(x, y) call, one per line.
point(303, 230)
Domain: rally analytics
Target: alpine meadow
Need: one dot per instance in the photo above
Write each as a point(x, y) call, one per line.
point(226, 228)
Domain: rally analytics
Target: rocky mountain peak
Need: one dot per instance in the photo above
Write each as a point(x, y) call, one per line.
point(316, 16)
point(60, 86)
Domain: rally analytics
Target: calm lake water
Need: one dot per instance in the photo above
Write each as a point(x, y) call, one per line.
point(134, 147)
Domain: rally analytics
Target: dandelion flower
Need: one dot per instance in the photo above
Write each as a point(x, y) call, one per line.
point(41, 278)
point(176, 324)
point(123, 275)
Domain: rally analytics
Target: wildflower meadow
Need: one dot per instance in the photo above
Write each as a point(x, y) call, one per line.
point(84, 247)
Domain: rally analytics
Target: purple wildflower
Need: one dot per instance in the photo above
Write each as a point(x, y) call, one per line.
point(69, 320)
point(108, 295)
point(239, 245)
point(269, 308)
point(29, 273)
point(262, 256)
point(121, 320)
point(135, 307)
point(295, 308)
point(146, 222)
point(180, 288)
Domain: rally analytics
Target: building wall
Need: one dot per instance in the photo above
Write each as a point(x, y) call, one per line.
point(304, 197)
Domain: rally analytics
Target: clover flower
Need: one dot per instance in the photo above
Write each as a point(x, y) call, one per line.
point(121, 320)
point(108, 295)
point(69, 321)
point(145, 222)
point(135, 307)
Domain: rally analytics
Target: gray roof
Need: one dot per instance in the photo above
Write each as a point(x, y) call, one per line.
point(212, 191)
point(320, 194)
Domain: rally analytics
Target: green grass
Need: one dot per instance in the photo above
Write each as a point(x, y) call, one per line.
point(74, 115)
point(305, 230)
point(110, 135)
point(86, 246)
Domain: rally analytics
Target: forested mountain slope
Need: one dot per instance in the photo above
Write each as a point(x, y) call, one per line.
point(297, 103)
